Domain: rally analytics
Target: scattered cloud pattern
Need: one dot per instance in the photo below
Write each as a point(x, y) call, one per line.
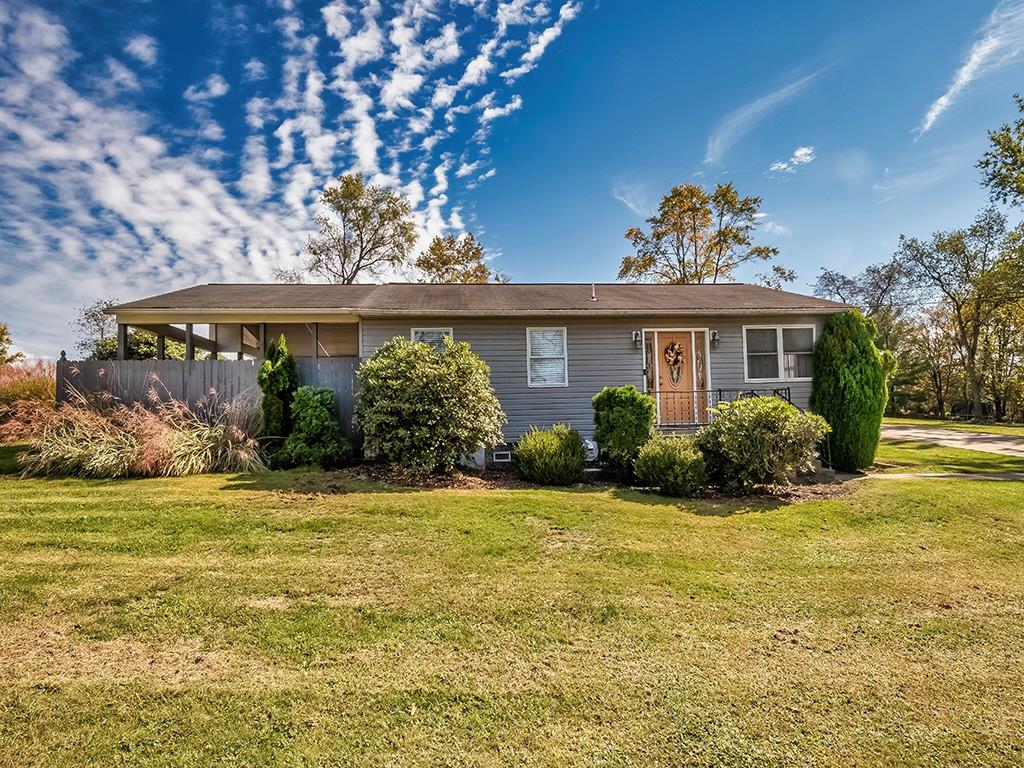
point(102, 196)
point(801, 156)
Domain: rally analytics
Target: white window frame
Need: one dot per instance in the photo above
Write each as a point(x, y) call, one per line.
point(565, 355)
point(449, 332)
point(780, 352)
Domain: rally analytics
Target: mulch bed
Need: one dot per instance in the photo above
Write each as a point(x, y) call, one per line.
point(491, 480)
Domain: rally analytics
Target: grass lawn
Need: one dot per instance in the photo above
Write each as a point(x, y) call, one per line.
point(909, 456)
point(237, 621)
point(1016, 430)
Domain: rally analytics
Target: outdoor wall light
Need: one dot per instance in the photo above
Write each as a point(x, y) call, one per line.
point(638, 339)
point(714, 339)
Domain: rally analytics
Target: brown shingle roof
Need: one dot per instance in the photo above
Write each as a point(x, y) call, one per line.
point(490, 299)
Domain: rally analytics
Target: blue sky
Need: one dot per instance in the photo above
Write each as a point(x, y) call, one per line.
point(147, 146)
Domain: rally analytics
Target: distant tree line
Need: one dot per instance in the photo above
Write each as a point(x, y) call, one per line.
point(950, 307)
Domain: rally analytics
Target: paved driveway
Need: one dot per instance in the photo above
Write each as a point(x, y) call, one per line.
point(1008, 445)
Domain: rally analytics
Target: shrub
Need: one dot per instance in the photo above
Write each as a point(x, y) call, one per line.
point(623, 423)
point(278, 379)
point(758, 441)
point(426, 409)
point(316, 436)
point(673, 465)
point(849, 388)
point(553, 456)
point(86, 439)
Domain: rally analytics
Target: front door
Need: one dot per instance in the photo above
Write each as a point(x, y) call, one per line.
point(681, 378)
point(675, 377)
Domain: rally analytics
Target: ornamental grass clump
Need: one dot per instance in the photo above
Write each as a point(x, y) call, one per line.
point(103, 438)
point(673, 465)
point(757, 442)
point(553, 456)
point(27, 392)
point(426, 409)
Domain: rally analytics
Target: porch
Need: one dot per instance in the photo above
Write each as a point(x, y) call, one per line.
point(245, 339)
point(681, 412)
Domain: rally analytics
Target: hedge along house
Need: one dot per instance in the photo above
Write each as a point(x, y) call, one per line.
point(550, 347)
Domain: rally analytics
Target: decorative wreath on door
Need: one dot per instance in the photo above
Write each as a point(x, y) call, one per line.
point(674, 359)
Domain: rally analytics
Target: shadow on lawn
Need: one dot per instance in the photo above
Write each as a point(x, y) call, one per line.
point(315, 482)
point(717, 506)
point(365, 479)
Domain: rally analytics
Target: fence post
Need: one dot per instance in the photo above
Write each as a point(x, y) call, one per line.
point(62, 367)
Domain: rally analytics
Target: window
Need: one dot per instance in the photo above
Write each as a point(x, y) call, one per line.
point(547, 358)
point(778, 353)
point(432, 336)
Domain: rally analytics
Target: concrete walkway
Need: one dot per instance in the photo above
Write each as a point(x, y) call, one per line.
point(1004, 476)
point(1007, 445)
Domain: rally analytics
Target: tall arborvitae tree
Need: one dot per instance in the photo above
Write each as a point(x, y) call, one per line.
point(849, 388)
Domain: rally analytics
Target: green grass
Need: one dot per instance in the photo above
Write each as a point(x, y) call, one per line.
point(218, 620)
point(9, 458)
point(909, 456)
point(1016, 430)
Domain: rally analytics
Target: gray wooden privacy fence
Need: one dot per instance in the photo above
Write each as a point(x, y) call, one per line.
point(138, 381)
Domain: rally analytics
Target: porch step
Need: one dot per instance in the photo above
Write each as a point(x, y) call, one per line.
point(679, 429)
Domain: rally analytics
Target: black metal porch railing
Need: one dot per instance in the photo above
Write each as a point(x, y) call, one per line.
point(681, 408)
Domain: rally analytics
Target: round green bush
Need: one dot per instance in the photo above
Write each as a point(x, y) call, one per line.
point(316, 437)
point(424, 409)
point(758, 441)
point(553, 456)
point(623, 423)
point(673, 465)
point(849, 388)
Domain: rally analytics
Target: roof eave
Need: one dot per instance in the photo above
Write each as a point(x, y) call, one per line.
point(720, 311)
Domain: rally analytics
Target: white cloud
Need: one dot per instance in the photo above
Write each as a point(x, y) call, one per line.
point(120, 78)
point(529, 59)
point(633, 196)
point(998, 42)
point(213, 87)
point(737, 123)
point(771, 228)
point(143, 48)
point(468, 169)
point(255, 69)
point(801, 156)
point(480, 66)
point(492, 113)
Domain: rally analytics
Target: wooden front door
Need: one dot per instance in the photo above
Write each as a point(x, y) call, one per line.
point(680, 376)
point(675, 377)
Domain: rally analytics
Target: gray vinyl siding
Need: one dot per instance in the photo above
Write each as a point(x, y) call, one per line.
point(601, 353)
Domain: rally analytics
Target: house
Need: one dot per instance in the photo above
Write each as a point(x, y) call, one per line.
point(550, 347)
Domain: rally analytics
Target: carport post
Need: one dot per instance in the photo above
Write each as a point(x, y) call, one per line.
point(122, 341)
